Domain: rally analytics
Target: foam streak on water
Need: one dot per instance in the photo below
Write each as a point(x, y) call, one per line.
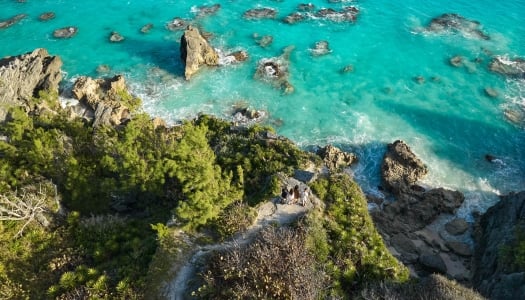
point(448, 120)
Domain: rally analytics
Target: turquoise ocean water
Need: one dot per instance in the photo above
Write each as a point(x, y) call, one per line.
point(448, 120)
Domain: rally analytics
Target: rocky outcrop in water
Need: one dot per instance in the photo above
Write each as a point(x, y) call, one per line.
point(260, 13)
point(334, 158)
point(401, 168)
point(514, 68)
point(195, 51)
point(456, 23)
point(275, 70)
point(305, 12)
point(11, 21)
point(494, 273)
point(65, 33)
point(46, 16)
point(320, 48)
point(24, 76)
point(107, 98)
point(176, 24)
point(115, 37)
point(207, 10)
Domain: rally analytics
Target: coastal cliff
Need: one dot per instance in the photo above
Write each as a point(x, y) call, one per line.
point(129, 198)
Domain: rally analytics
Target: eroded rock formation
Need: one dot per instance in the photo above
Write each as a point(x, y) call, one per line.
point(401, 168)
point(195, 51)
point(334, 158)
point(24, 76)
point(107, 98)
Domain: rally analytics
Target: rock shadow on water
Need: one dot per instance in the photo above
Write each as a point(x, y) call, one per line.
point(162, 54)
point(465, 142)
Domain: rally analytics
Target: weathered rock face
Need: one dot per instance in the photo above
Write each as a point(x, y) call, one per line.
point(11, 21)
point(405, 222)
point(455, 22)
point(508, 67)
point(492, 276)
point(104, 97)
point(196, 51)
point(65, 33)
point(401, 168)
point(335, 158)
point(23, 77)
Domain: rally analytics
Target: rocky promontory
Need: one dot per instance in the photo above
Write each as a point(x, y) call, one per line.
point(24, 76)
point(195, 51)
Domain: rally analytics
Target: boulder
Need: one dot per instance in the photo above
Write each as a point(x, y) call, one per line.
point(490, 92)
point(195, 51)
point(11, 21)
point(46, 16)
point(457, 226)
point(176, 24)
point(108, 98)
point(207, 10)
point(65, 33)
point(260, 13)
point(459, 248)
point(433, 263)
point(514, 68)
point(115, 37)
point(320, 48)
point(401, 168)
point(456, 23)
point(494, 273)
point(335, 158)
point(456, 61)
point(24, 76)
point(146, 28)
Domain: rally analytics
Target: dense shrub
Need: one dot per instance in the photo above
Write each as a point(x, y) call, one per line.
point(356, 253)
point(277, 265)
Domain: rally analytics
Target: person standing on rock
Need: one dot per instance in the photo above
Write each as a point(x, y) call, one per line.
point(296, 194)
point(290, 197)
point(284, 195)
point(304, 196)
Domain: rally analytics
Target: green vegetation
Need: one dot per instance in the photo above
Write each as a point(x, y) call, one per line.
point(119, 186)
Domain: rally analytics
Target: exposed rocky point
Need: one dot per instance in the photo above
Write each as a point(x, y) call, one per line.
point(24, 76)
point(146, 28)
point(334, 158)
point(195, 51)
point(494, 273)
point(260, 13)
point(263, 41)
point(321, 48)
point(176, 24)
point(65, 33)
point(11, 21)
point(401, 168)
point(46, 16)
point(456, 23)
point(509, 67)
point(115, 37)
point(105, 97)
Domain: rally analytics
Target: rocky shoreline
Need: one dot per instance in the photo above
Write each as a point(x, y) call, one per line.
point(409, 225)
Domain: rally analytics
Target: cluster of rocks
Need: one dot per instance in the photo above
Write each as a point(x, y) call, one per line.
point(514, 68)
point(456, 23)
point(306, 12)
point(406, 223)
point(275, 71)
point(260, 13)
point(24, 76)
